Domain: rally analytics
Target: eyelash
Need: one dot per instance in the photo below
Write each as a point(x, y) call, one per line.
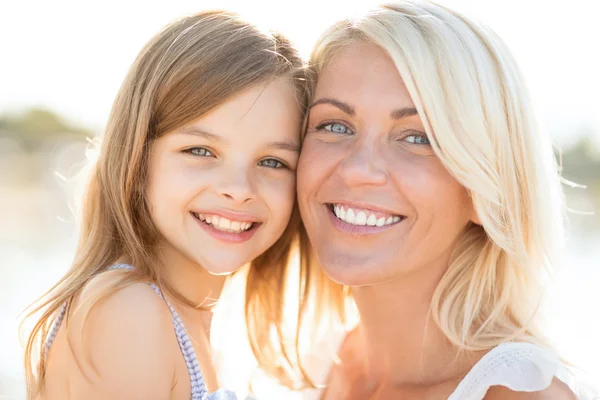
point(326, 124)
point(193, 150)
point(417, 135)
point(279, 164)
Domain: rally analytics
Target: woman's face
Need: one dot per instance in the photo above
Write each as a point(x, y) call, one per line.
point(221, 188)
point(376, 201)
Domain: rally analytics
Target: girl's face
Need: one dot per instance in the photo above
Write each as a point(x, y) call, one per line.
point(221, 189)
point(376, 201)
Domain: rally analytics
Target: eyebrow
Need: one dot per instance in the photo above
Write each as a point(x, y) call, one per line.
point(202, 133)
point(396, 114)
point(400, 113)
point(289, 146)
point(347, 108)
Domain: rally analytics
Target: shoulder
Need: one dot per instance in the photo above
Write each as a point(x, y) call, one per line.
point(122, 339)
point(120, 305)
point(557, 390)
point(516, 371)
point(109, 290)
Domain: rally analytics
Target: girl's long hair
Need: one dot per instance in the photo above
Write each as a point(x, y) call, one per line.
point(192, 66)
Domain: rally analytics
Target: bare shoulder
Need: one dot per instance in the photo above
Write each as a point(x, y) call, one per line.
point(135, 298)
point(122, 341)
point(558, 390)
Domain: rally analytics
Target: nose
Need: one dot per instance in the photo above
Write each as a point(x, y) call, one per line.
point(364, 166)
point(237, 186)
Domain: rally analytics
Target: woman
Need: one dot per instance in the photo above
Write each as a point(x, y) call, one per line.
point(195, 178)
point(426, 187)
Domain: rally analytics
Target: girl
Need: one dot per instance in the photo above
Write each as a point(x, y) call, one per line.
point(194, 179)
point(426, 187)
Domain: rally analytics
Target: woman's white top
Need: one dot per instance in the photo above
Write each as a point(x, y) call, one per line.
point(521, 367)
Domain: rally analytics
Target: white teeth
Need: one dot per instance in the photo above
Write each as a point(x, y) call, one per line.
point(362, 218)
point(350, 216)
point(339, 212)
point(224, 224)
point(371, 221)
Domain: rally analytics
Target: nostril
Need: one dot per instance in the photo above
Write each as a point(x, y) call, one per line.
point(239, 198)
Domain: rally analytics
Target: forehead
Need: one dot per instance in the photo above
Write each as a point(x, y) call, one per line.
point(363, 72)
point(275, 99)
point(263, 110)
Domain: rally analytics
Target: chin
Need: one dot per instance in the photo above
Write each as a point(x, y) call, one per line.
point(354, 278)
point(221, 266)
point(350, 271)
point(222, 269)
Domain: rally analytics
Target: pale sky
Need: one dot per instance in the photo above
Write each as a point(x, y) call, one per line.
point(71, 56)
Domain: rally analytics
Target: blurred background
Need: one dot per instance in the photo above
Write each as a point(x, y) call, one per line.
point(63, 61)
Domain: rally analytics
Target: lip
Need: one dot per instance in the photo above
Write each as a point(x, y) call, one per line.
point(228, 237)
point(358, 230)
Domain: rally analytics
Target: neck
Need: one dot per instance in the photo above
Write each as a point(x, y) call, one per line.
point(399, 340)
point(200, 289)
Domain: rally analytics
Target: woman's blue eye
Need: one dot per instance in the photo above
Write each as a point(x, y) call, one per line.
point(271, 163)
point(417, 139)
point(336, 127)
point(200, 152)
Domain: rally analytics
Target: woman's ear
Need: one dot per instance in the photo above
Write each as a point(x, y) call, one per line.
point(474, 217)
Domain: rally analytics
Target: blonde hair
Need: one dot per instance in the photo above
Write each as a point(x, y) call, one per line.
point(471, 98)
point(192, 66)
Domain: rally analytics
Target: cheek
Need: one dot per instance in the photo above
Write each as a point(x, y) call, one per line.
point(172, 185)
point(279, 194)
point(316, 162)
point(452, 201)
point(434, 194)
point(419, 177)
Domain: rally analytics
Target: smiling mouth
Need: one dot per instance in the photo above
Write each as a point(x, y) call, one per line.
point(223, 224)
point(362, 216)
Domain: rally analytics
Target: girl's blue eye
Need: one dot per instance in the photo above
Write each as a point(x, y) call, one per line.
point(336, 127)
point(417, 139)
point(200, 152)
point(271, 163)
